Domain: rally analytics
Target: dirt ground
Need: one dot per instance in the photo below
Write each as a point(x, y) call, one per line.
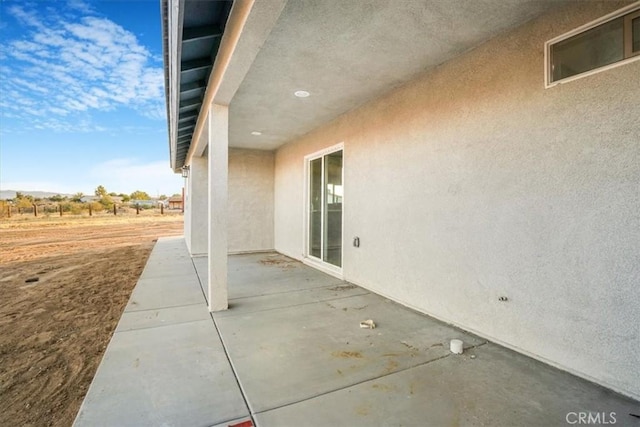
point(64, 283)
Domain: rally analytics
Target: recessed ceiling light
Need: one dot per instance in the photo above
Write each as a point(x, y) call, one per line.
point(301, 93)
point(256, 133)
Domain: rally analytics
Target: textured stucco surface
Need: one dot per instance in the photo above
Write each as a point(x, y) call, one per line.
point(195, 213)
point(251, 176)
point(348, 52)
point(474, 182)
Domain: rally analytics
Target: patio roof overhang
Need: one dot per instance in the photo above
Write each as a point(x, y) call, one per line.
point(342, 53)
point(192, 32)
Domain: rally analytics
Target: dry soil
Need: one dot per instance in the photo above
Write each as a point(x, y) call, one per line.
point(64, 283)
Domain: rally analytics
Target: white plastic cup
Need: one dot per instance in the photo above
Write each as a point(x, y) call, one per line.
point(456, 346)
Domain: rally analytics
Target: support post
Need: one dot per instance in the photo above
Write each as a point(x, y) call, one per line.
point(35, 210)
point(196, 214)
point(218, 167)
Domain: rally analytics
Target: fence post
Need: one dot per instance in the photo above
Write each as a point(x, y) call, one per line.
point(9, 211)
point(90, 210)
point(35, 210)
point(60, 206)
point(114, 209)
point(161, 208)
point(137, 209)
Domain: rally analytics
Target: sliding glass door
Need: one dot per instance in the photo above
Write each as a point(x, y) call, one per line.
point(325, 208)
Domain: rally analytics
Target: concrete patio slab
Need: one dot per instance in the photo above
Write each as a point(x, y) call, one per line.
point(272, 301)
point(162, 292)
point(323, 344)
point(498, 387)
point(165, 364)
point(267, 273)
point(166, 269)
point(152, 318)
point(290, 351)
point(169, 375)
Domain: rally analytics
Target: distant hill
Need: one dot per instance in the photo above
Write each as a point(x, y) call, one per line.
point(10, 194)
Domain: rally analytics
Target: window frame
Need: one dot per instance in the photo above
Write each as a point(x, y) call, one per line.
point(629, 13)
point(307, 258)
point(628, 34)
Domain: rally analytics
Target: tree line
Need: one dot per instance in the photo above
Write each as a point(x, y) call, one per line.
point(78, 202)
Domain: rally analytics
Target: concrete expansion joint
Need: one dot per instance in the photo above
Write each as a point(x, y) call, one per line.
point(234, 370)
point(367, 380)
point(449, 354)
point(230, 313)
point(159, 308)
point(160, 326)
point(204, 294)
point(294, 290)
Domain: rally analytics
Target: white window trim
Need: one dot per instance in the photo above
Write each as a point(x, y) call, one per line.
point(307, 258)
point(628, 33)
point(547, 47)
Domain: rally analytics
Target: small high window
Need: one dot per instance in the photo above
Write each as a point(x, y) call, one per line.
point(632, 28)
point(603, 44)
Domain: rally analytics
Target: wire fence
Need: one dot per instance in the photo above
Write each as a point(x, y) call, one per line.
point(10, 210)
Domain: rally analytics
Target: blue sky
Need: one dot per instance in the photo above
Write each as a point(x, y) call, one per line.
point(82, 97)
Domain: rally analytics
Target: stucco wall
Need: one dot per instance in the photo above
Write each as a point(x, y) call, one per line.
point(251, 175)
point(475, 182)
point(196, 208)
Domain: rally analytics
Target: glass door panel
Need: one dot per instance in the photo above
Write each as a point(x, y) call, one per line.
point(315, 208)
point(333, 209)
point(326, 192)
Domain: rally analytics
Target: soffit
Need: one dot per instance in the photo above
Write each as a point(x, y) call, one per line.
point(203, 24)
point(348, 52)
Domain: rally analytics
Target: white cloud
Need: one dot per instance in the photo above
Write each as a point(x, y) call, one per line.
point(29, 18)
point(129, 175)
point(90, 63)
point(31, 86)
point(56, 119)
point(117, 175)
point(80, 6)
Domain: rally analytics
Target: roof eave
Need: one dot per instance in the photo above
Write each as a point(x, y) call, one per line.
point(172, 21)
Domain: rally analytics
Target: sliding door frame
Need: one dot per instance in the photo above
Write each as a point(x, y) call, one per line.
point(307, 257)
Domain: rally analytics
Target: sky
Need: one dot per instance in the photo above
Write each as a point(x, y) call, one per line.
point(82, 97)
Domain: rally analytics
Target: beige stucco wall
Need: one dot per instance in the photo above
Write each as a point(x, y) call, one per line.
point(475, 182)
point(196, 208)
point(251, 175)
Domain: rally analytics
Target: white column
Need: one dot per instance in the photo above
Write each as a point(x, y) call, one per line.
point(218, 154)
point(196, 213)
point(186, 212)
